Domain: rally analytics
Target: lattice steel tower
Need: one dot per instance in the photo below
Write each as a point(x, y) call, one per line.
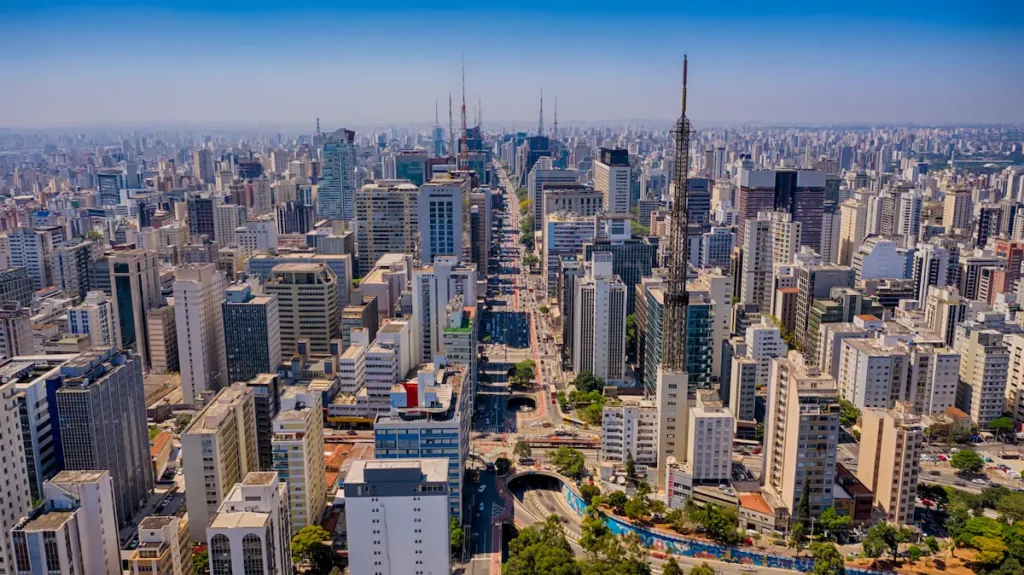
point(676, 299)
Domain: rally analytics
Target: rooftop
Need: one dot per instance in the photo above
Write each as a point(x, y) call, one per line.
point(156, 521)
point(260, 478)
point(79, 476)
point(756, 502)
point(49, 521)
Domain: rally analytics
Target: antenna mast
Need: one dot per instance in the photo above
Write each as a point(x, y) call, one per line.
point(556, 118)
point(540, 123)
point(676, 299)
point(451, 128)
point(464, 143)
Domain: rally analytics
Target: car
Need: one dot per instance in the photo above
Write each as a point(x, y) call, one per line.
point(959, 484)
point(934, 472)
point(979, 481)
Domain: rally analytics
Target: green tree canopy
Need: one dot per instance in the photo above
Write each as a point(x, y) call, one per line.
point(967, 461)
point(702, 569)
point(522, 449)
point(585, 382)
point(848, 413)
point(541, 550)
point(891, 536)
point(617, 501)
point(827, 559)
point(311, 546)
point(832, 522)
point(456, 536)
point(671, 567)
point(1011, 506)
point(569, 461)
point(588, 491)
point(1001, 425)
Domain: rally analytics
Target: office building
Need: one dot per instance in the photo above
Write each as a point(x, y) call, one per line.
point(307, 297)
point(135, 285)
point(984, 366)
point(599, 321)
point(251, 534)
point(337, 184)
point(630, 430)
point(295, 218)
point(387, 220)
point(433, 287)
point(411, 165)
point(568, 198)
point(102, 412)
point(891, 442)
point(257, 236)
point(267, 398)
point(801, 193)
point(480, 224)
point(716, 247)
point(879, 258)
point(957, 211)
point(816, 282)
point(404, 507)
point(612, 179)
point(459, 337)
point(632, 258)
point(801, 434)
point(16, 285)
point(360, 316)
point(298, 454)
point(261, 266)
point(544, 176)
point(32, 249)
point(15, 331)
point(164, 547)
point(218, 449)
point(771, 240)
point(930, 268)
point(163, 338)
point(35, 381)
point(430, 418)
point(71, 267)
point(252, 333)
point(95, 317)
point(201, 216)
point(199, 321)
point(443, 218)
point(564, 236)
point(226, 219)
point(203, 167)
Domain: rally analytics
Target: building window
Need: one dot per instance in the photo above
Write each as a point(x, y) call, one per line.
point(252, 555)
point(220, 555)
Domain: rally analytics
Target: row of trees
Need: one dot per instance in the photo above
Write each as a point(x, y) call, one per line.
point(544, 550)
point(523, 373)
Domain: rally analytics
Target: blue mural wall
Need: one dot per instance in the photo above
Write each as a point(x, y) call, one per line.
point(685, 547)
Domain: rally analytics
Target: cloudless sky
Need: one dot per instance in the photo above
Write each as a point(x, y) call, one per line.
point(83, 63)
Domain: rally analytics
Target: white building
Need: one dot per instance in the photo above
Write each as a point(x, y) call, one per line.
point(397, 512)
point(599, 321)
point(564, 235)
point(226, 219)
point(709, 440)
point(32, 248)
point(16, 497)
point(95, 318)
point(612, 179)
point(764, 343)
point(433, 287)
point(544, 174)
point(257, 236)
point(199, 320)
point(908, 215)
point(630, 429)
point(879, 258)
point(771, 240)
point(337, 184)
point(90, 495)
point(984, 365)
point(251, 535)
point(298, 448)
point(443, 214)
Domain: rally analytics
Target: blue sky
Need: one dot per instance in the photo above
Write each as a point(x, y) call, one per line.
point(374, 63)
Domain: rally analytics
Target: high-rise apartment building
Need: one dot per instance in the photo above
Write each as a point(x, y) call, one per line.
point(956, 214)
point(102, 412)
point(135, 285)
point(612, 179)
point(32, 248)
point(71, 267)
point(95, 317)
point(891, 442)
point(218, 448)
point(816, 282)
point(544, 176)
point(944, 309)
point(15, 285)
point(599, 321)
point(252, 333)
point(433, 287)
point(16, 497)
point(930, 268)
point(15, 331)
point(298, 454)
point(226, 219)
point(630, 430)
point(853, 229)
point(87, 497)
point(405, 508)
point(443, 218)
point(632, 258)
point(386, 220)
point(771, 240)
point(163, 340)
point(307, 297)
point(251, 534)
point(984, 365)
point(337, 184)
point(199, 321)
point(564, 235)
point(203, 167)
point(709, 440)
point(266, 388)
point(801, 434)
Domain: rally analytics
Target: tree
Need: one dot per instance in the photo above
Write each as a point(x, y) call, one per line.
point(631, 335)
point(200, 560)
point(588, 491)
point(957, 516)
point(827, 559)
point(308, 548)
point(617, 501)
point(502, 465)
point(803, 508)
point(914, 552)
point(671, 567)
point(585, 382)
point(94, 235)
point(541, 550)
point(638, 229)
point(932, 544)
point(636, 508)
point(892, 536)
point(872, 548)
point(522, 450)
point(1011, 506)
point(759, 431)
point(181, 421)
point(592, 413)
point(848, 413)
point(798, 536)
point(524, 207)
point(593, 533)
point(832, 522)
point(543, 309)
point(630, 465)
point(967, 461)
point(1001, 425)
point(456, 536)
point(991, 552)
point(522, 373)
point(569, 461)
point(702, 569)
point(656, 507)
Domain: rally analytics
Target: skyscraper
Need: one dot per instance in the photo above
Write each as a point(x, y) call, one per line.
point(443, 217)
point(890, 459)
point(199, 320)
point(387, 215)
point(771, 239)
point(200, 216)
point(16, 498)
point(252, 333)
point(336, 194)
point(307, 297)
point(203, 167)
point(433, 287)
point(612, 179)
point(95, 317)
point(298, 454)
point(801, 193)
point(102, 411)
point(599, 321)
point(135, 283)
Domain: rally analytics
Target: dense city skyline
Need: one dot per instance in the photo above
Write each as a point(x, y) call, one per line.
point(233, 63)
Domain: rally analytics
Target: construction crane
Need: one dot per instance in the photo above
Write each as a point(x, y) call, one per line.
point(676, 299)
